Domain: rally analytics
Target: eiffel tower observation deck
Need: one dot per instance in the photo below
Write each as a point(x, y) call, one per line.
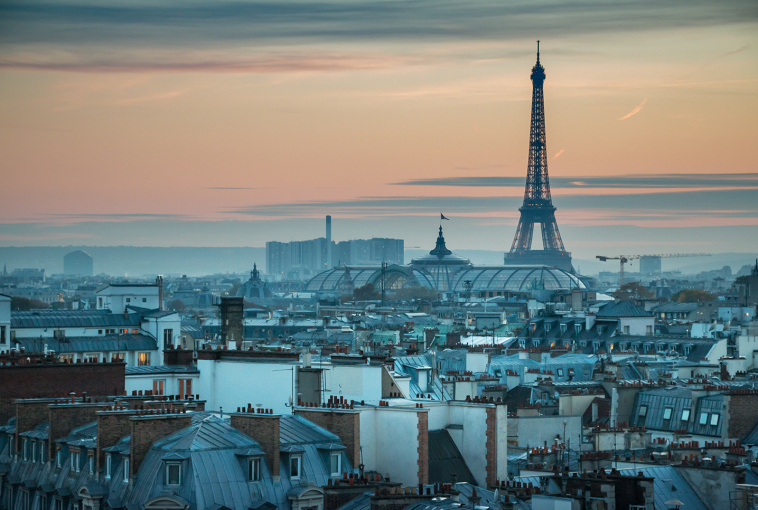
point(538, 205)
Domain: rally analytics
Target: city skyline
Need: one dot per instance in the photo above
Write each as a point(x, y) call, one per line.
point(132, 124)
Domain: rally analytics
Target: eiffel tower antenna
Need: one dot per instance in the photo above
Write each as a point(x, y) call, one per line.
point(538, 204)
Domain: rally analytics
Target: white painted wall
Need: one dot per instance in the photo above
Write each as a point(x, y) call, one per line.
point(116, 299)
point(533, 431)
point(389, 439)
point(232, 384)
point(637, 325)
point(471, 440)
point(5, 320)
point(477, 361)
point(353, 382)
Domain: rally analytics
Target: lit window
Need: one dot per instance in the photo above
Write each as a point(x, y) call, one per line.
point(703, 418)
point(295, 467)
point(173, 474)
point(686, 415)
point(643, 411)
point(254, 470)
point(335, 462)
point(715, 419)
point(143, 359)
point(667, 413)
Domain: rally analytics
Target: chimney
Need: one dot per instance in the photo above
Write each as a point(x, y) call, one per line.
point(231, 319)
point(66, 417)
point(159, 282)
point(264, 428)
point(344, 423)
point(328, 242)
point(29, 414)
point(145, 429)
point(111, 427)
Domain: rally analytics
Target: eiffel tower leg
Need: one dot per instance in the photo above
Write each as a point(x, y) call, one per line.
point(523, 238)
point(551, 236)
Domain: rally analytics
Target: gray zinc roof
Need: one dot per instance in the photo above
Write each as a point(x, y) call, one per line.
point(71, 319)
point(294, 430)
point(669, 485)
point(108, 343)
point(622, 309)
point(162, 369)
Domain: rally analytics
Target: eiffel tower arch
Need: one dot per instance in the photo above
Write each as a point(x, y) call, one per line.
point(538, 204)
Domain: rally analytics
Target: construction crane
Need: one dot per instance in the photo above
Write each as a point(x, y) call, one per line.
point(623, 259)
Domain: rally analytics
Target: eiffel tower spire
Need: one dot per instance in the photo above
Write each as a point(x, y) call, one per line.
point(538, 204)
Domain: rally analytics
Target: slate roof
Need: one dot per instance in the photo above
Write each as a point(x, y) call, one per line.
point(445, 459)
point(71, 319)
point(362, 502)
point(668, 485)
point(109, 343)
point(294, 430)
point(622, 309)
point(162, 369)
point(678, 399)
point(751, 438)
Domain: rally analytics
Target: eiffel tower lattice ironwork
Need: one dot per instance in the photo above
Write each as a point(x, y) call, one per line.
point(538, 204)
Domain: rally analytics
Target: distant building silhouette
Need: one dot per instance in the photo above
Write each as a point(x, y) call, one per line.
point(78, 263)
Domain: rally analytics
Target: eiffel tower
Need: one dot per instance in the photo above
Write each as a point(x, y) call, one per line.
point(538, 205)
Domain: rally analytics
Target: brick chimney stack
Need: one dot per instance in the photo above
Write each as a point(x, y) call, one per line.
point(112, 425)
point(147, 428)
point(264, 428)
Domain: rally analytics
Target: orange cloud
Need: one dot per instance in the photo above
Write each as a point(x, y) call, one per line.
point(635, 111)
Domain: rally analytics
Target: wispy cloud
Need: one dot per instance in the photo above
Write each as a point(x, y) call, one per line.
point(635, 111)
point(746, 180)
point(64, 35)
point(558, 153)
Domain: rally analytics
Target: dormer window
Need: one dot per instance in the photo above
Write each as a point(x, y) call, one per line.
point(715, 419)
point(667, 413)
point(296, 462)
point(34, 451)
point(91, 464)
point(335, 464)
point(254, 470)
point(75, 461)
point(578, 328)
point(564, 327)
point(126, 469)
point(58, 458)
point(25, 449)
point(173, 473)
point(703, 418)
point(686, 415)
point(108, 466)
point(547, 327)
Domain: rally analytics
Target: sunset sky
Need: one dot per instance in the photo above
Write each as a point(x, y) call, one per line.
point(235, 123)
